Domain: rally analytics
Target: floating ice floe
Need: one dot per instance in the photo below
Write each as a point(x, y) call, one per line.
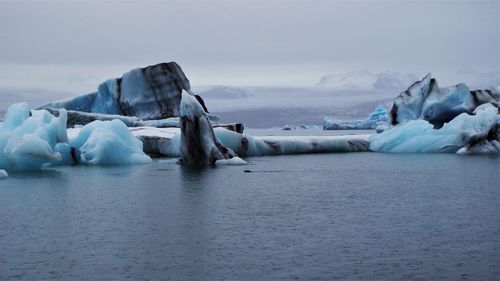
point(466, 133)
point(235, 161)
point(166, 142)
point(247, 145)
point(377, 118)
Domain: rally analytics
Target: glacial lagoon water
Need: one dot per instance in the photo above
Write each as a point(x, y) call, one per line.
point(355, 216)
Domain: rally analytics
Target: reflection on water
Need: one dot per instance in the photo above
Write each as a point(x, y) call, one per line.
point(359, 216)
point(193, 176)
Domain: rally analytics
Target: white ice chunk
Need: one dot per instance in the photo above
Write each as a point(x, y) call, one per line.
point(3, 174)
point(235, 161)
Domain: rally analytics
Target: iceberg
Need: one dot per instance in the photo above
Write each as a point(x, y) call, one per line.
point(148, 96)
point(466, 133)
point(32, 139)
point(425, 100)
point(149, 93)
point(28, 139)
point(198, 144)
point(106, 143)
point(377, 118)
point(152, 92)
point(426, 118)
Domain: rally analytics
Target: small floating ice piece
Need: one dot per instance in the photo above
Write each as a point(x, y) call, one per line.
point(3, 174)
point(235, 161)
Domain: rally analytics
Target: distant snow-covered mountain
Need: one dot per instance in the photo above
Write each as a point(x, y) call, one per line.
point(225, 92)
point(367, 80)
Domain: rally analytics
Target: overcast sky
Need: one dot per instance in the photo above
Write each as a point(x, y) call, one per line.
point(243, 42)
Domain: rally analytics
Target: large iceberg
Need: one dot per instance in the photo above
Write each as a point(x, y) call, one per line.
point(466, 133)
point(425, 100)
point(378, 117)
point(148, 93)
point(152, 92)
point(30, 139)
point(148, 96)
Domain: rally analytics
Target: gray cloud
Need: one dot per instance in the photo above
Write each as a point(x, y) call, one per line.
point(251, 37)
